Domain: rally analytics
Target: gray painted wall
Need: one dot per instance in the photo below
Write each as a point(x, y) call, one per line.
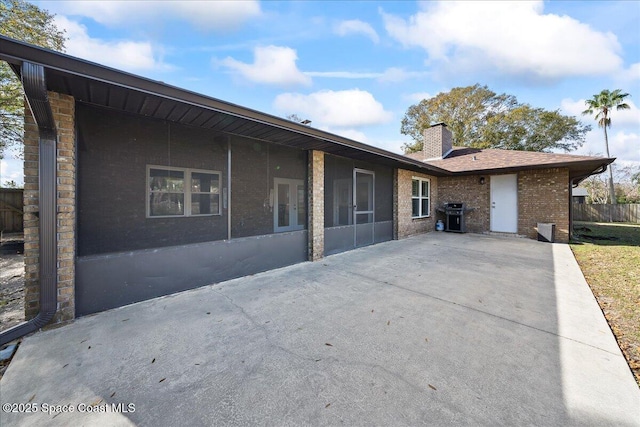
point(340, 239)
point(117, 279)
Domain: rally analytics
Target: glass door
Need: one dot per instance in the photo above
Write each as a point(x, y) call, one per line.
point(289, 205)
point(363, 207)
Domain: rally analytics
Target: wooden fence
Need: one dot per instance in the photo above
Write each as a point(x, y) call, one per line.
point(11, 206)
point(606, 213)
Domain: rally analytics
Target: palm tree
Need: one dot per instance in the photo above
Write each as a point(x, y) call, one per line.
point(602, 104)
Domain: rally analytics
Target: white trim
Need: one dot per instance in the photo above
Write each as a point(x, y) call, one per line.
point(186, 191)
point(420, 197)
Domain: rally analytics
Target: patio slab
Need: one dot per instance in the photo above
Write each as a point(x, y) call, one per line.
point(439, 329)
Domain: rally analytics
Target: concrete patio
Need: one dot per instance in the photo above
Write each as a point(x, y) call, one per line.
point(438, 329)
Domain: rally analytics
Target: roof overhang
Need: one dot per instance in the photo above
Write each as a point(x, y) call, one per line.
point(578, 170)
point(96, 84)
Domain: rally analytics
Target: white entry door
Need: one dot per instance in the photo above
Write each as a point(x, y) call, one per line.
point(289, 212)
point(504, 203)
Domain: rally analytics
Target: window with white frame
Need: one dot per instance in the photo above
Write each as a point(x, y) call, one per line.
point(420, 204)
point(182, 192)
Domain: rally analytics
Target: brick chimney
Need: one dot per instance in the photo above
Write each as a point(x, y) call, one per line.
point(437, 142)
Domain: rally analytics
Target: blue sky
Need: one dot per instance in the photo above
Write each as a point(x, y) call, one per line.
point(353, 68)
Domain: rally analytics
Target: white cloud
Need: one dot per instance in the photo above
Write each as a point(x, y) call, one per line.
point(123, 54)
point(395, 75)
point(394, 146)
point(417, 96)
point(347, 108)
point(515, 38)
point(624, 134)
point(271, 65)
point(631, 74)
point(11, 169)
point(355, 26)
point(353, 134)
point(630, 117)
point(343, 74)
point(625, 146)
point(390, 75)
point(204, 15)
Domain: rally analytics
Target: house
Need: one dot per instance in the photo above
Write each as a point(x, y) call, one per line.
point(579, 195)
point(136, 189)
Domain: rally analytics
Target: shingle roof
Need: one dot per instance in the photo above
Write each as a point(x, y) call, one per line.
point(465, 159)
point(468, 161)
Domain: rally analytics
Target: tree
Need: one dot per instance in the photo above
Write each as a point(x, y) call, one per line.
point(10, 184)
point(602, 104)
point(478, 117)
point(596, 188)
point(295, 118)
point(21, 21)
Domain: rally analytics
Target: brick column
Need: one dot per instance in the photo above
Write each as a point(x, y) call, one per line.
point(404, 224)
point(63, 108)
point(316, 205)
point(396, 204)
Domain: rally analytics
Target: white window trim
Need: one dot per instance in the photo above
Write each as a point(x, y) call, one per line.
point(187, 191)
point(420, 196)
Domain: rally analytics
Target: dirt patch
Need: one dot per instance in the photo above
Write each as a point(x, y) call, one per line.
point(11, 285)
point(11, 280)
point(11, 290)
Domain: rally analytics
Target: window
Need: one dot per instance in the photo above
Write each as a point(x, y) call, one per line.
point(182, 192)
point(420, 206)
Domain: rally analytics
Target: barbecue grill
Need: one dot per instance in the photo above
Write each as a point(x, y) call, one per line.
point(454, 213)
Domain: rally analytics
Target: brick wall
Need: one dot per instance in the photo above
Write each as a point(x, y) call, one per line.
point(404, 224)
point(468, 190)
point(63, 108)
point(316, 205)
point(543, 196)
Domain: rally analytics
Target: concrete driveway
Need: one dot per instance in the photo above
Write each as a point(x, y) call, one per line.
point(439, 329)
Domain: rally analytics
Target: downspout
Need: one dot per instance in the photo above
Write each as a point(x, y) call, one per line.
point(598, 171)
point(34, 84)
point(228, 188)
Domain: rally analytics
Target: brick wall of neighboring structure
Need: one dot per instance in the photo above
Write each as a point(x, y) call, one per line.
point(63, 108)
point(543, 196)
point(404, 224)
point(316, 205)
point(468, 190)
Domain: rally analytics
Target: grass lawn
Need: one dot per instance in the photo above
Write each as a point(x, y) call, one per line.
point(609, 256)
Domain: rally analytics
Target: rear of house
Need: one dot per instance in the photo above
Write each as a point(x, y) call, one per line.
point(156, 189)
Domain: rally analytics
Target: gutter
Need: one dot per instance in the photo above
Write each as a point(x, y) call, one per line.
point(33, 81)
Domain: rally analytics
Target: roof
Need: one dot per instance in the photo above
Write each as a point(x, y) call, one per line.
point(579, 192)
point(466, 161)
point(96, 84)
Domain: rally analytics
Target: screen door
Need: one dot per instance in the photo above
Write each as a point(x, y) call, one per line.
point(363, 207)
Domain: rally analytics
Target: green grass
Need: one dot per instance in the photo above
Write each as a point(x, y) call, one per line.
point(609, 256)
